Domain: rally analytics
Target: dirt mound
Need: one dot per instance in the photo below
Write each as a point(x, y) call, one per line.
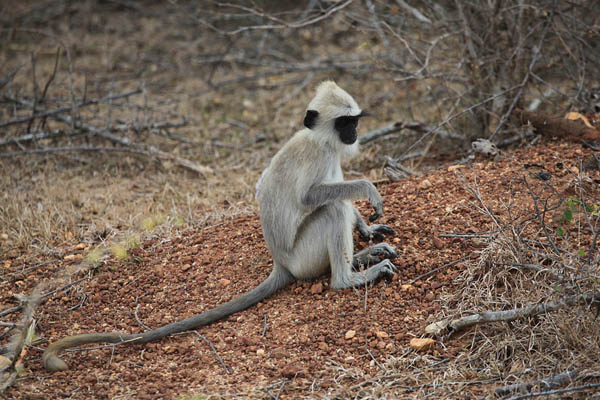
point(306, 341)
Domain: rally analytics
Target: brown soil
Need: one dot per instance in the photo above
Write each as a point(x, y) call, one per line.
point(304, 325)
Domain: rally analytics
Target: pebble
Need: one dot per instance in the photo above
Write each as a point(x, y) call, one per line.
point(316, 288)
point(350, 334)
point(421, 344)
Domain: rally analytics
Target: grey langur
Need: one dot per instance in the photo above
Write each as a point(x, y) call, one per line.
point(307, 219)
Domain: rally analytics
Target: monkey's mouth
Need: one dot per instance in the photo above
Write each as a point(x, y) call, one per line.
point(348, 138)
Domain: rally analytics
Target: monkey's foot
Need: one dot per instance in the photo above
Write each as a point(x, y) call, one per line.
point(373, 255)
point(386, 268)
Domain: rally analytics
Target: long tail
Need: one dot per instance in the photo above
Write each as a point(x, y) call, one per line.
point(278, 278)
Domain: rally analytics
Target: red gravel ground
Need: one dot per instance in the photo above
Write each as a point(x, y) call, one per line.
point(298, 335)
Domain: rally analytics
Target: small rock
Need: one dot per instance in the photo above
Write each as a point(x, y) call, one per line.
point(429, 296)
point(382, 335)
point(425, 184)
point(224, 282)
point(185, 267)
point(455, 167)
point(278, 353)
point(292, 370)
point(80, 246)
point(421, 344)
point(350, 334)
point(4, 236)
point(406, 287)
point(316, 288)
point(260, 352)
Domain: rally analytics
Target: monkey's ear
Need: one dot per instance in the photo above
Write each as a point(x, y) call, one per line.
point(310, 120)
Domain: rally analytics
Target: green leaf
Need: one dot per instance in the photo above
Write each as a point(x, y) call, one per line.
point(558, 288)
point(560, 231)
point(568, 215)
point(581, 252)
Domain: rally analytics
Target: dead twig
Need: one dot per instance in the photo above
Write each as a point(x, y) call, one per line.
point(557, 391)
point(546, 384)
point(49, 113)
point(32, 136)
point(281, 23)
point(435, 271)
point(147, 150)
point(43, 296)
point(214, 351)
point(135, 314)
point(397, 126)
point(456, 325)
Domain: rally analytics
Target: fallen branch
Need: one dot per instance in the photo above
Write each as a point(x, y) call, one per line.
point(49, 113)
point(32, 136)
point(140, 148)
point(397, 126)
point(551, 126)
point(395, 171)
point(131, 146)
point(435, 271)
point(455, 325)
point(557, 391)
point(545, 384)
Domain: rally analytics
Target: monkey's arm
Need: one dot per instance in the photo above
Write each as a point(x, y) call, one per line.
point(375, 232)
point(323, 193)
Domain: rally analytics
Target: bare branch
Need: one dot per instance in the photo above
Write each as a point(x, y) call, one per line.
point(281, 23)
point(548, 383)
point(456, 325)
point(50, 113)
point(557, 391)
point(416, 13)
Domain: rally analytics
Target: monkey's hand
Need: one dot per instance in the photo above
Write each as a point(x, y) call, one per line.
point(379, 231)
point(377, 203)
point(376, 232)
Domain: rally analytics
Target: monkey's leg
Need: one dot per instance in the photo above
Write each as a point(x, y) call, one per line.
point(373, 254)
point(340, 246)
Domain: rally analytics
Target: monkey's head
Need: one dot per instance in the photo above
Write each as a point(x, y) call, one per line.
point(333, 109)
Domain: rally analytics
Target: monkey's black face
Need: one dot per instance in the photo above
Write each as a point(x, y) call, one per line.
point(346, 128)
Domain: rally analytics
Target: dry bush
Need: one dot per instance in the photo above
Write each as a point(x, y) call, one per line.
point(439, 60)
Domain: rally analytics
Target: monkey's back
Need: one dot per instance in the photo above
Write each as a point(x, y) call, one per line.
point(298, 165)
